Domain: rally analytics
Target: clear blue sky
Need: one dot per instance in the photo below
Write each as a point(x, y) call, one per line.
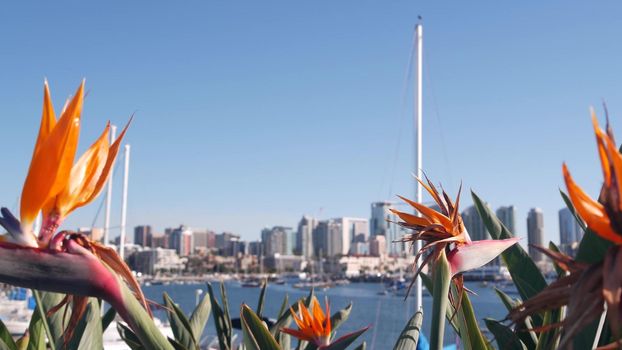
point(252, 113)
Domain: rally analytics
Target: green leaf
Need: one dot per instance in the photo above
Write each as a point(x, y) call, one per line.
point(89, 333)
point(470, 333)
point(441, 275)
point(176, 345)
point(549, 339)
point(55, 320)
point(36, 332)
point(345, 341)
point(108, 317)
point(199, 317)
point(409, 337)
point(427, 282)
point(6, 337)
point(143, 326)
point(262, 297)
point(285, 318)
point(527, 277)
point(285, 315)
point(572, 210)
point(283, 308)
point(592, 248)
point(339, 317)
point(179, 324)
point(4, 346)
point(506, 339)
point(129, 337)
point(223, 328)
point(22, 342)
point(44, 322)
point(558, 269)
point(256, 335)
point(523, 330)
point(225, 307)
point(363, 346)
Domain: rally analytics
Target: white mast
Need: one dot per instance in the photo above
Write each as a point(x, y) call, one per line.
point(419, 143)
point(126, 174)
point(113, 135)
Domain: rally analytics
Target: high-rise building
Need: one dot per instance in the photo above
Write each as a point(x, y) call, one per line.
point(143, 235)
point(180, 239)
point(507, 215)
point(254, 248)
point(304, 236)
point(320, 238)
point(535, 232)
point(570, 233)
point(474, 224)
point(377, 245)
point(352, 230)
point(159, 241)
point(200, 240)
point(275, 240)
point(380, 214)
point(329, 238)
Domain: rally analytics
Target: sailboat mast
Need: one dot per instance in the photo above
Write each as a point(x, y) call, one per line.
point(126, 174)
point(419, 144)
point(113, 136)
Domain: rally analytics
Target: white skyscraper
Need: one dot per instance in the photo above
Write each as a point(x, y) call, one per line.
point(304, 236)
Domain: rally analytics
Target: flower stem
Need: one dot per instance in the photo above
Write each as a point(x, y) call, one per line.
point(442, 279)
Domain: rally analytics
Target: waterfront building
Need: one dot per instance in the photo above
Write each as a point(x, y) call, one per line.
point(221, 240)
point(377, 245)
point(570, 233)
point(474, 224)
point(236, 247)
point(199, 238)
point(380, 214)
point(359, 248)
point(159, 241)
point(180, 239)
point(143, 235)
point(304, 236)
point(507, 215)
point(254, 248)
point(535, 232)
point(285, 263)
point(154, 261)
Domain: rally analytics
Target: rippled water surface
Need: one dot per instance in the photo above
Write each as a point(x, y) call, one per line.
point(387, 314)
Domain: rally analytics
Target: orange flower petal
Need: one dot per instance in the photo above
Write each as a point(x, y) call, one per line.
point(48, 119)
point(602, 151)
point(112, 155)
point(615, 159)
point(411, 219)
point(84, 176)
point(590, 210)
point(51, 165)
point(431, 214)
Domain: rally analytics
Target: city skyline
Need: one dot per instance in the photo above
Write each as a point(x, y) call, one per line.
point(239, 129)
point(303, 236)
